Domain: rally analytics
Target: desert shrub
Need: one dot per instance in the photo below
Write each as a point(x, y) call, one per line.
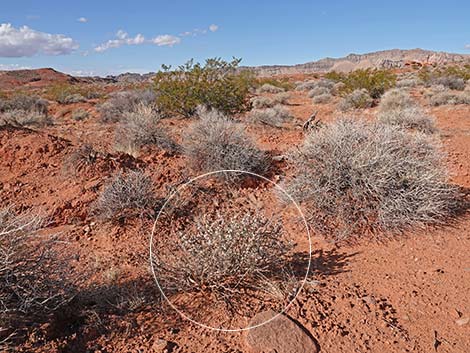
point(216, 143)
point(396, 99)
point(281, 98)
point(338, 88)
point(224, 256)
point(216, 84)
point(305, 85)
point(126, 196)
point(356, 178)
point(80, 114)
point(24, 103)
point(269, 88)
point(141, 127)
point(79, 159)
point(448, 97)
point(66, 93)
point(260, 102)
point(32, 282)
point(358, 99)
point(123, 102)
point(376, 82)
point(412, 117)
point(408, 83)
point(451, 82)
point(275, 116)
point(283, 83)
point(318, 91)
point(24, 118)
point(322, 98)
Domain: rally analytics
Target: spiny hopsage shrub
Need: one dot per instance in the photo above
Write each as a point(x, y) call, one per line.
point(376, 82)
point(217, 84)
point(428, 75)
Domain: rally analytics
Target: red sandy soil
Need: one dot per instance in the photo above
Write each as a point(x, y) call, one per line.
point(403, 295)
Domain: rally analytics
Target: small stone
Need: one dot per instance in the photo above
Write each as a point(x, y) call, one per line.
point(462, 321)
point(159, 345)
point(280, 335)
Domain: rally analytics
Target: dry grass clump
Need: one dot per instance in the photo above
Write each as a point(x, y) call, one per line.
point(80, 114)
point(267, 102)
point(318, 91)
point(447, 97)
point(276, 116)
point(396, 99)
point(141, 127)
point(413, 118)
point(358, 99)
point(356, 178)
point(120, 103)
point(223, 256)
point(32, 282)
point(24, 110)
point(451, 82)
point(305, 85)
point(72, 98)
point(268, 88)
point(216, 143)
point(408, 83)
point(322, 98)
point(126, 196)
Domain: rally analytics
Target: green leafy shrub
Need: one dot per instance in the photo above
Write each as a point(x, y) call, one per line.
point(376, 82)
point(217, 84)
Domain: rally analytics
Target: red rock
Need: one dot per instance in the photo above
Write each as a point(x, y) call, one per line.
point(281, 335)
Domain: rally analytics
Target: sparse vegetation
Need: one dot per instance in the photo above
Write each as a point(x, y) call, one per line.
point(447, 97)
point(376, 82)
point(223, 256)
point(217, 85)
point(260, 102)
point(322, 98)
point(216, 143)
point(354, 178)
point(412, 117)
point(318, 91)
point(396, 99)
point(276, 116)
point(22, 110)
point(126, 196)
point(283, 83)
point(358, 99)
point(66, 93)
point(120, 103)
point(269, 88)
point(32, 283)
point(80, 114)
point(142, 127)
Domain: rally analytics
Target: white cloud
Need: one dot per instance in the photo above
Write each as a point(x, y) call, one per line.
point(82, 20)
point(122, 38)
point(467, 46)
point(24, 41)
point(213, 28)
point(166, 39)
point(8, 67)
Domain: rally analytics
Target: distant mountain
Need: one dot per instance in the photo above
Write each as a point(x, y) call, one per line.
point(386, 59)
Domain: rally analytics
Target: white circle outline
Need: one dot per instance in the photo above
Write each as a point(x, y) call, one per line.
point(183, 315)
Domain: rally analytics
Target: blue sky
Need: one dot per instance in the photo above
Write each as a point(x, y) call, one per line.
point(260, 32)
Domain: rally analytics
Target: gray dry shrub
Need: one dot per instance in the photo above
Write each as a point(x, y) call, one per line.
point(120, 103)
point(142, 127)
point(355, 179)
point(276, 116)
point(214, 142)
point(126, 196)
point(413, 118)
point(268, 88)
point(358, 99)
point(394, 99)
